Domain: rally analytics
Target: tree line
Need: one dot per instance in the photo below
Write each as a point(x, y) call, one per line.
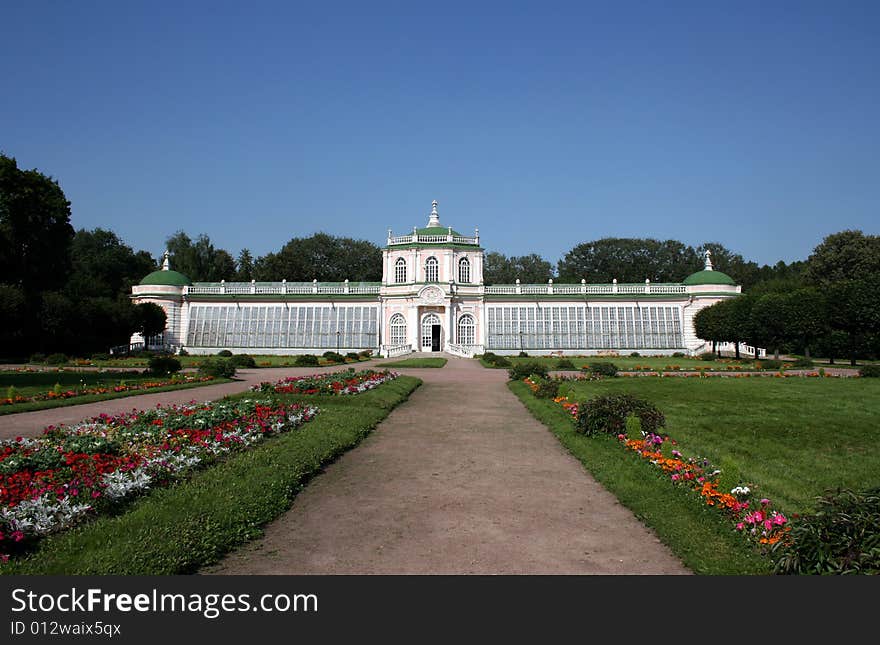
point(66, 290)
point(830, 307)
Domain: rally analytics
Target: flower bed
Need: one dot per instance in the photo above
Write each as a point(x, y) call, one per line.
point(69, 473)
point(338, 383)
point(58, 392)
point(757, 520)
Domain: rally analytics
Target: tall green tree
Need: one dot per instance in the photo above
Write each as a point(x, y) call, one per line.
point(805, 318)
point(769, 321)
point(198, 259)
point(629, 260)
point(854, 310)
point(149, 319)
point(708, 325)
point(847, 255)
point(103, 266)
point(528, 269)
point(244, 266)
point(322, 257)
point(35, 230)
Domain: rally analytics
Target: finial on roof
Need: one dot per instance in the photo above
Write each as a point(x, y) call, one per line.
point(166, 262)
point(708, 255)
point(434, 220)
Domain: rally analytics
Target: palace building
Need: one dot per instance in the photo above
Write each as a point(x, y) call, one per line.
point(432, 298)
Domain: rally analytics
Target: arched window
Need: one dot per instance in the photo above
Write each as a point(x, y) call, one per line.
point(431, 270)
point(466, 330)
point(398, 329)
point(464, 270)
point(400, 271)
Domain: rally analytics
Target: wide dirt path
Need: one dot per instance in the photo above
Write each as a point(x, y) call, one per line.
point(31, 424)
point(459, 479)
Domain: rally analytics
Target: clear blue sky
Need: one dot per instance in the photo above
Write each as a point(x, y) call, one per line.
point(545, 124)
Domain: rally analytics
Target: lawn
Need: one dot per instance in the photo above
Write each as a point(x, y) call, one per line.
point(30, 384)
point(788, 439)
point(792, 438)
point(415, 362)
point(262, 360)
point(184, 527)
point(630, 362)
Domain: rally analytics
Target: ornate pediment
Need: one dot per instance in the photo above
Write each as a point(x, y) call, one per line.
point(431, 295)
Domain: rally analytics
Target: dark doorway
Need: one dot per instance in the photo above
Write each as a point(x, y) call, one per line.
point(435, 338)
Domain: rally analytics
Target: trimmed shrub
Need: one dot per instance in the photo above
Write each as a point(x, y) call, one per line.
point(164, 365)
point(608, 414)
point(37, 358)
point(244, 360)
point(768, 364)
point(367, 353)
point(678, 355)
point(565, 364)
point(217, 367)
point(843, 536)
point(547, 389)
point(353, 356)
point(306, 360)
point(496, 360)
point(101, 357)
point(333, 357)
point(706, 356)
point(523, 355)
point(635, 355)
point(225, 353)
point(870, 371)
point(183, 352)
point(803, 364)
point(56, 359)
point(608, 370)
point(522, 370)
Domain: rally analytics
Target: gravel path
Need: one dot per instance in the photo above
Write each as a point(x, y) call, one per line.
point(459, 479)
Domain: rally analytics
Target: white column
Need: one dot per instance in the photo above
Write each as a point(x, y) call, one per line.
point(412, 327)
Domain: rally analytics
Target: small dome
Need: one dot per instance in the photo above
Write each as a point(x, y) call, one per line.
point(708, 276)
point(167, 278)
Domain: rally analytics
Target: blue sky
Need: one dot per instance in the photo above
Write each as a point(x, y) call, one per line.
point(545, 124)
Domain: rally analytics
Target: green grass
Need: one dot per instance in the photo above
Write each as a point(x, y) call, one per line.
point(703, 539)
point(792, 438)
point(32, 383)
point(182, 528)
point(628, 362)
point(416, 362)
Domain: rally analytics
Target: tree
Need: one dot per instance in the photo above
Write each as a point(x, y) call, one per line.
point(199, 260)
point(847, 255)
point(35, 230)
point(708, 324)
point(854, 310)
point(629, 260)
point(149, 319)
point(805, 318)
point(769, 321)
point(322, 257)
point(103, 266)
point(528, 269)
point(13, 320)
point(244, 266)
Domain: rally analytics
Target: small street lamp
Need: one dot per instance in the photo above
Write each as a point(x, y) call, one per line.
point(337, 340)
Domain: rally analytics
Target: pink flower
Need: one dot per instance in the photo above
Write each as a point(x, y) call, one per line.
point(675, 477)
point(765, 501)
point(740, 526)
point(768, 524)
point(759, 516)
point(18, 536)
point(779, 519)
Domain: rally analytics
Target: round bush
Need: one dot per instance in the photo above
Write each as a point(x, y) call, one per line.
point(635, 354)
point(101, 357)
point(217, 367)
point(306, 360)
point(870, 371)
point(608, 414)
point(367, 353)
point(244, 360)
point(225, 353)
point(678, 355)
point(522, 370)
point(56, 359)
point(37, 358)
point(162, 365)
point(608, 370)
point(565, 364)
point(334, 357)
point(353, 356)
point(523, 355)
point(547, 389)
point(803, 364)
point(768, 364)
point(707, 356)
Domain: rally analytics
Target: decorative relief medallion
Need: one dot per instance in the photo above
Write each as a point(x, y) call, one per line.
point(431, 294)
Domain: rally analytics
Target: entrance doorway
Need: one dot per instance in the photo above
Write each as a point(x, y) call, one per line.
point(431, 332)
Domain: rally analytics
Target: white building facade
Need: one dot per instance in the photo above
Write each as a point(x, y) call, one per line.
point(432, 298)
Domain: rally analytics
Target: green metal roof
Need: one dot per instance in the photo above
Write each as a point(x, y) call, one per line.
point(437, 230)
point(167, 278)
point(707, 276)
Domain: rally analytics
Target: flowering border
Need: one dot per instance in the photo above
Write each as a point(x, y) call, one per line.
point(757, 520)
point(58, 393)
point(336, 383)
point(52, 482)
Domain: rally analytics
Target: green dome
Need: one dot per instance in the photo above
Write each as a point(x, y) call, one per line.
point(707, 276)
point(167, 278)
point(437, 230)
